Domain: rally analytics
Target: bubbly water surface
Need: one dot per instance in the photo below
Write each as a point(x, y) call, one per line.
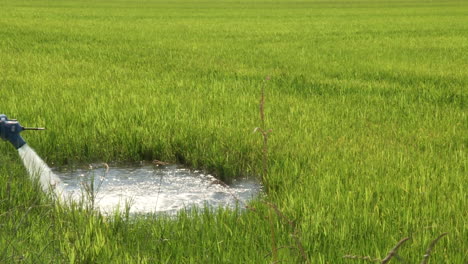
point(145, 188)
point(148, 188)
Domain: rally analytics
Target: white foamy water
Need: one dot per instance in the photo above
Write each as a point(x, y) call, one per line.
point(147, 189)
point(150, 189)
point(39, 170)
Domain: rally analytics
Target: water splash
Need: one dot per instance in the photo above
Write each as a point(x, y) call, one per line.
point(150, 189)
point(146, 189)
point(38, 170)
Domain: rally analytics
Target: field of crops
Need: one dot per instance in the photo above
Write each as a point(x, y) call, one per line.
point(366, 100)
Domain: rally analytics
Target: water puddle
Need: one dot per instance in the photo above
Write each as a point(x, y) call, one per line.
point(150, 188)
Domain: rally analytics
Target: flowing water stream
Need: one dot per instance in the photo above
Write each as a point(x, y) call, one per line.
point(38, 170)
point(146, 188)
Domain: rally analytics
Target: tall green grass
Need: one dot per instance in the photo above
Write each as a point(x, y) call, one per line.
point(367, 103)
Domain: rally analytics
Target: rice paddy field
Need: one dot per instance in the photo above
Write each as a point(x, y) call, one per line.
point(366, 100)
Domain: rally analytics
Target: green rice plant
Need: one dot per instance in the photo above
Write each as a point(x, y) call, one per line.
point(367, 100)
point(90, 188)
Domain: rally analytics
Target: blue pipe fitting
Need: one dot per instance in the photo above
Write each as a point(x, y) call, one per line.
point(10, 131)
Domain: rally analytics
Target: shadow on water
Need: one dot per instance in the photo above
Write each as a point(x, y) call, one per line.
point(152, 189)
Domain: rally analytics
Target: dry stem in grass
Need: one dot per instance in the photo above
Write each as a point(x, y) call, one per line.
point(394, 251)
point(264, 134)
point(368, 258)
point(391, 254)
point(273, 208)
point(431, 246)
point(295, 234)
